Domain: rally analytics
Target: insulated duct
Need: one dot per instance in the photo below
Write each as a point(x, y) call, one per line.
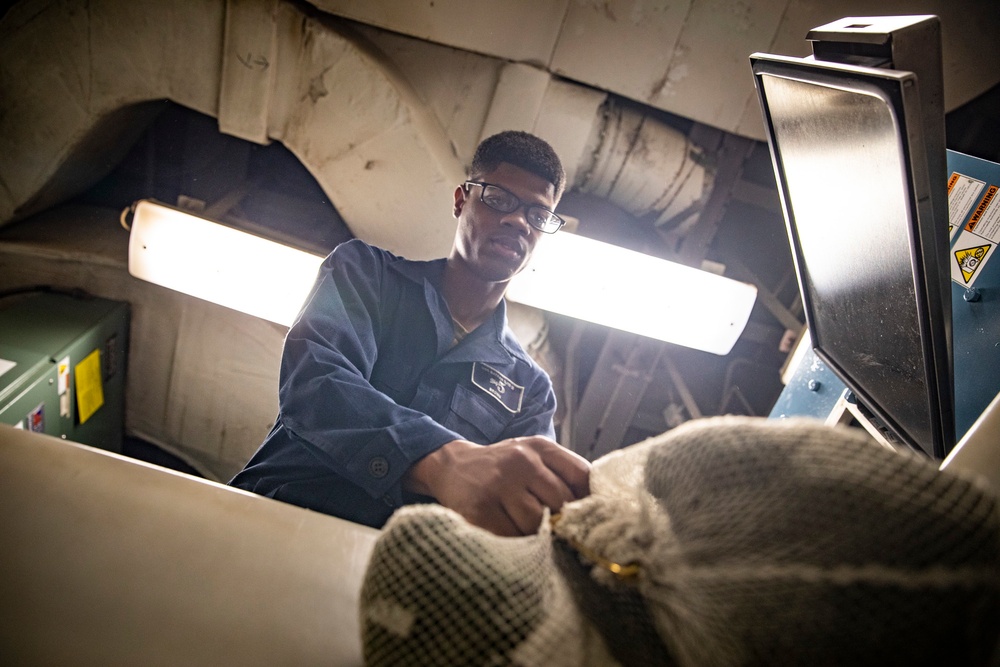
point(265, 69)
point(646, 167)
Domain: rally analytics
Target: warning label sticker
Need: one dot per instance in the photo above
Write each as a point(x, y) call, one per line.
point(89, 390)
point(963, 192)
point(969, 255)
point(985, 220)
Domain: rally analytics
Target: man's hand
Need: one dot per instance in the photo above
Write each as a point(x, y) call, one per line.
point(505, 487)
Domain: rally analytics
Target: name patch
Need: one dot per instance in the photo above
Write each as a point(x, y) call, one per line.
point(498, 385)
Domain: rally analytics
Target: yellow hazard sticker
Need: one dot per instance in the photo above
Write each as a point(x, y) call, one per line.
point(970, 259)
point(89, 388)
point(969, 255)
point(963, 192)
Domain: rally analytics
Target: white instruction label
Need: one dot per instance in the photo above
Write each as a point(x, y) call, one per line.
point(985, 220)
point(6, 365)
point(963, 192)
point(63, 375)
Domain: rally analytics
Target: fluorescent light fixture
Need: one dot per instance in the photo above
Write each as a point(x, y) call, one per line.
point(217, 263)
point(623, 289)
point(568, 274)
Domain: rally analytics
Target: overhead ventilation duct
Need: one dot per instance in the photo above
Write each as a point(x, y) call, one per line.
point(644, 166)
point(269, 70)
point(266, 69)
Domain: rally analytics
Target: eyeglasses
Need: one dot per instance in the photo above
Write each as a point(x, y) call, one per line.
point(501, 200)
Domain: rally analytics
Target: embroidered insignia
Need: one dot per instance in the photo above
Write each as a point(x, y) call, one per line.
point(498, 385)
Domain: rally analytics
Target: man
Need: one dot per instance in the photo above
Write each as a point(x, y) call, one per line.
point(400, 381)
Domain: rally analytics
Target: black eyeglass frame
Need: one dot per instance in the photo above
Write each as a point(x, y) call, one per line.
point(520, 204)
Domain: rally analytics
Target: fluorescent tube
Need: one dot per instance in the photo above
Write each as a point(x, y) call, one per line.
point(628, 290)
point(568, 274)
point(217, 263)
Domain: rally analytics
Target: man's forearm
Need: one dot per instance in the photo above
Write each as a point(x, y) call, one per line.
point(504, 487)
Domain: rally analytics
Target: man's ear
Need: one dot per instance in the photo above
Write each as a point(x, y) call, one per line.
point(460, 199)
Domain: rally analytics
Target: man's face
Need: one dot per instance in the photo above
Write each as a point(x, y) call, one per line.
point(495, 246)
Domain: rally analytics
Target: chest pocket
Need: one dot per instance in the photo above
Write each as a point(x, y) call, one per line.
point(472, 415)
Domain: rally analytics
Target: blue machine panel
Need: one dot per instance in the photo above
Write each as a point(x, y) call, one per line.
point(974, 199)
point(812, 391)
point(975, 290)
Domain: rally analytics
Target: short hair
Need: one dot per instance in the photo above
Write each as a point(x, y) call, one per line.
point(523, 150)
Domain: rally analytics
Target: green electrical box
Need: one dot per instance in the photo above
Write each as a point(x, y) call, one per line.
point(62, 367)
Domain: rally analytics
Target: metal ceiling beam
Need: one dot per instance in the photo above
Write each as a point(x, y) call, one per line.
point(626, 366)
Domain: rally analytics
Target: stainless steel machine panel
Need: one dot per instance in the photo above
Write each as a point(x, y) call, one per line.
point(852, 174)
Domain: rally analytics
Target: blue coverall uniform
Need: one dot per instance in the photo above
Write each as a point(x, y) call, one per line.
point(371, 382)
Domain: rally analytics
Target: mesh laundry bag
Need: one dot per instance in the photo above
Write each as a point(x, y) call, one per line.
point(726, 541)
point(439, 591)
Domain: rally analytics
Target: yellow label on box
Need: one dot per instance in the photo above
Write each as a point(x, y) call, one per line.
point(89, 390)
